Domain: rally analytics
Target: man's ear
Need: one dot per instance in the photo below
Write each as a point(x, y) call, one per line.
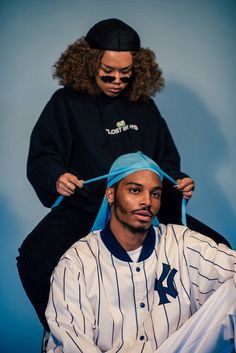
point(110, 195)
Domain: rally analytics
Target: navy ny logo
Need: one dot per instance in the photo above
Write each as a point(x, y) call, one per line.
point(170, 289)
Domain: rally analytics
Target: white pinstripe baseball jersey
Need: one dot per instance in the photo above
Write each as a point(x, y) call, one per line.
point(101, 301)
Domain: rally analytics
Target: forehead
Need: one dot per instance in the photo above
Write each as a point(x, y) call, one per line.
point(117, 59)
point(146, 178)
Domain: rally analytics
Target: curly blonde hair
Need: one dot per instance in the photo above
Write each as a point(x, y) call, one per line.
point(78, 65)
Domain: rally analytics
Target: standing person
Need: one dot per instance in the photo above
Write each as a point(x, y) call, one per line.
point(131, 287)
point(103, 111)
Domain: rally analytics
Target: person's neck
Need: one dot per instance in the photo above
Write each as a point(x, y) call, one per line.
point(128, 239)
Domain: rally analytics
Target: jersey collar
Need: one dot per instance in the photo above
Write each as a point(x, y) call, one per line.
point(119, 252)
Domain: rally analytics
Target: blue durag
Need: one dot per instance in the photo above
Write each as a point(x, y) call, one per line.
point(123, 166)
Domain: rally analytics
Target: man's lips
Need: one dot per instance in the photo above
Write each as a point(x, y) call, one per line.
point(143, 214)
point(144, 211)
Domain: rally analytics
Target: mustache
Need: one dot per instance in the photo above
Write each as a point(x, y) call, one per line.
point(145, 208)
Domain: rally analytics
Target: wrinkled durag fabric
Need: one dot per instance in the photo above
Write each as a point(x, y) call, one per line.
point(123, 166)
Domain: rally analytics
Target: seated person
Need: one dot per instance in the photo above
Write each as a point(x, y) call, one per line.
point(133, 285)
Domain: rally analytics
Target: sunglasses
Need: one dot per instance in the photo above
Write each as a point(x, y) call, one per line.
point(110, 79)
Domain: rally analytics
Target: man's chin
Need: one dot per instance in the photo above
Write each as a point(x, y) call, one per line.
point(142, 228)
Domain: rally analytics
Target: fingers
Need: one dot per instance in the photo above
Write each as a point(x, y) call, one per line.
point(188, 194)
point(186, 186)
point(67, 183)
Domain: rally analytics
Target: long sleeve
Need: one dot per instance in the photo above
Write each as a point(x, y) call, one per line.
point(168, 158)
point(167, 155)
point(202, 316)
point(209, 265)
point(69, 314)
point(50, 148)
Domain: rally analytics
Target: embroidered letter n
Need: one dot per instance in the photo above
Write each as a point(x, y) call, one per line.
point(170, 289)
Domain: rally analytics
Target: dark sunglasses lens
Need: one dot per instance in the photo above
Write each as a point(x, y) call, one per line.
point(125, 79)
point(110, 79)
point(107, 79)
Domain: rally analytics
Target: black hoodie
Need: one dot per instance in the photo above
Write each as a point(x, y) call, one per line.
point(83, 135)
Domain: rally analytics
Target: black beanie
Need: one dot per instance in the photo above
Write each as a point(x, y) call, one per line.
point(113, 34)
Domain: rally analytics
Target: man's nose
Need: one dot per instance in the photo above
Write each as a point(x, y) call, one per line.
point(145, 200)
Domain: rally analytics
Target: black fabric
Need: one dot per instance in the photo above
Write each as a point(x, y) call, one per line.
point(78, 133)
point(113, 34)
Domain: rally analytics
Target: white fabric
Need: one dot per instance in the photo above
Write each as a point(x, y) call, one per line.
point(134, 254)
point(99, 303)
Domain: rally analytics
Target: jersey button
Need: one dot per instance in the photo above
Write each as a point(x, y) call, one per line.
point(138, 269)
point(142, 305)
point(141, 338)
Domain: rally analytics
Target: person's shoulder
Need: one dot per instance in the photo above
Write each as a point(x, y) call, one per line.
point(149, 106)
point(66, 93)
point(180, 231)
point(147, 103)
point(172, 229)
point(152, 105)
point(174, 232)
point(60, 92)
point(191, 238)
point(82, 248)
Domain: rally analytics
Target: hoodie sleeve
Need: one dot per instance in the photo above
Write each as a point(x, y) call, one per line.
point(50, 149)
point(170, 158)
point(167, 155)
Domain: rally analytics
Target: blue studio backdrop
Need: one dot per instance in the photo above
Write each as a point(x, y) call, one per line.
point(194, 42)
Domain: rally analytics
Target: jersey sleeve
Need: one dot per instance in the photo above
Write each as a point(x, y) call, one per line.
point(50, 147)
point(69, 313)
point(209, 265)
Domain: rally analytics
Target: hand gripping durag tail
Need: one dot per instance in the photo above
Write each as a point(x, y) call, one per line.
point(123, 166)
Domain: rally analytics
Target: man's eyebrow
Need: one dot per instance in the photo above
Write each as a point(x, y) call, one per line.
point(114, 68)
point(141, 185)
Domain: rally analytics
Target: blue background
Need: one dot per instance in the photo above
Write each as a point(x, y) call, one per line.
point(194, 42)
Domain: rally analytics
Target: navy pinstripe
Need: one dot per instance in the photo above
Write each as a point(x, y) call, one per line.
point(103, 284)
